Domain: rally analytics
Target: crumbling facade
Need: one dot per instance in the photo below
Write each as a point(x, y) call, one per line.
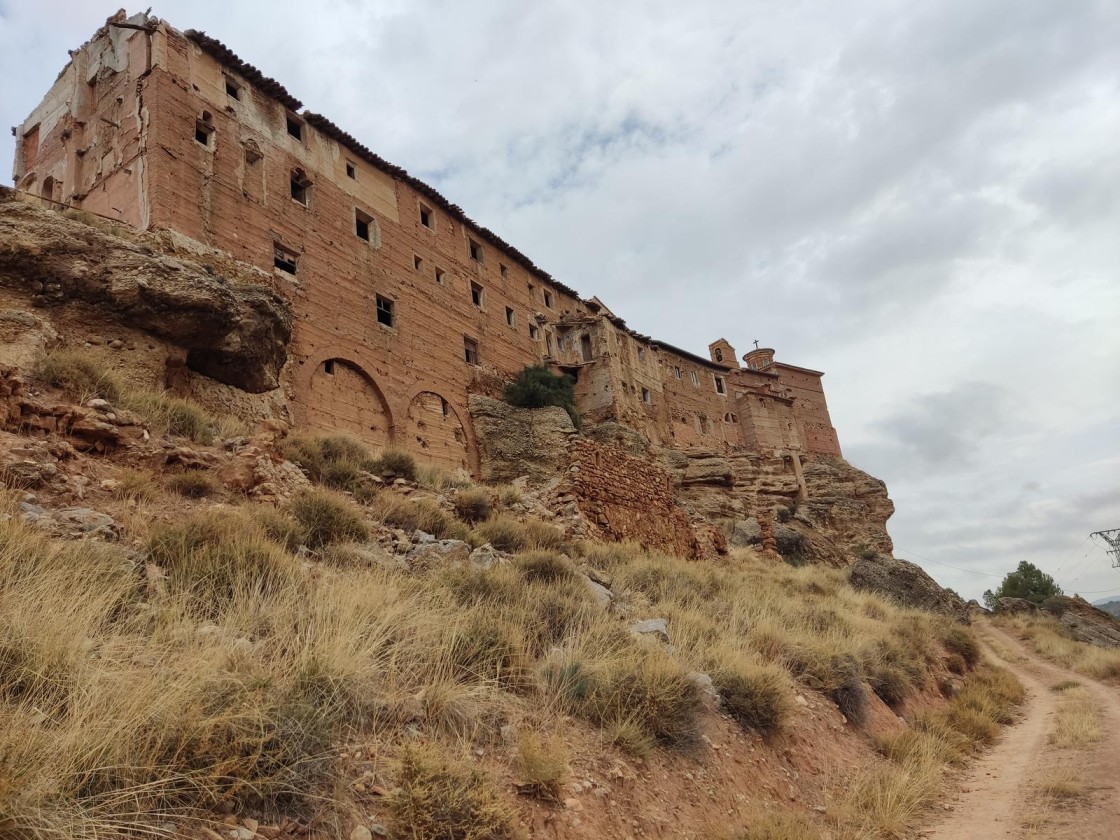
point(402, 305)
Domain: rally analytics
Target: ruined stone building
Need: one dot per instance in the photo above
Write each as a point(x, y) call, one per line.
point(402, 305)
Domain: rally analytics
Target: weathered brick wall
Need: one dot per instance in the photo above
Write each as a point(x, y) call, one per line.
point(629, 498)
point(404, 383)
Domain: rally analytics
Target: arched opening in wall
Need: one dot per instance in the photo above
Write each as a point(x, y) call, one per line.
point(343, 397)
point(47, 190)
point(435, 434)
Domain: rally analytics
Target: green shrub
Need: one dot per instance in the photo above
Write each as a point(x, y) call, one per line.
point(472, 506)
point(326, 518)
point(757, 698)
point(538, 386)
point(193, 484)
point(440, 797)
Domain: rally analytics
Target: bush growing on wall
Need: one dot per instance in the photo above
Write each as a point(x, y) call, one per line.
point(538, 386)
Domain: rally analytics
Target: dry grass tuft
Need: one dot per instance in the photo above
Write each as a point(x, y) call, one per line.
point(325, 518)
point(1078, 721)
point(396, 511)
point(193, 484)
point(771, 826)
point(81, 374)
point(472, 506)
point(170, 415)
point(447, 798)
point(507, 534)
point(542, 766)
point(135, 486)
point(757, 696)
point(1049, 639)
point(1063, 786)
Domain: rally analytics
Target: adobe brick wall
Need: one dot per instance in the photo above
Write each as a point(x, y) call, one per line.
point(629, 498)
point(407, 384)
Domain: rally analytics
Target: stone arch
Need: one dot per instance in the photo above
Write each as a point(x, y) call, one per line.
point(47, 190)
point(436, 434)
point(343, 397)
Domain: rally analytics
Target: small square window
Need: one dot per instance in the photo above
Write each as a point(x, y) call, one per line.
point(301, 185)
point(294, 126)
point(363, 222)
point(284, 259)
point(476, 294)
point(511, 318)
point(233, 89)
point(418, 262)
point(384, 311)
point(476, 251)
point(441, 276)
point(503, 270)
point(645, 396)
point(470, 351)
point(426, 217)
point(328, 367)
point(534, 332)
point(548, 298)
point(203, 133)
point(351, 171)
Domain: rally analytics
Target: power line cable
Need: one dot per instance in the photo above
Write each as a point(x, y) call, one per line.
point(950, 566)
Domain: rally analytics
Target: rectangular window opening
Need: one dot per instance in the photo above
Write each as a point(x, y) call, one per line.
point(476, 251)
point(233, 89)
point(534, 332)
point(426, 217)
point(511, 318)
point(532, 293)
point(384, 311)
point(548, 342)
point(418, 263)
point(295, 127)
point(328, 367)
point(677, 372)
point(695, 379)
point(720, 388)
point(362, 223)
point(441, 276)
point(300, 186)
point(548, 298)
point(284, 259)
point(503, 270)
point(470, 351)
point(476, 294)
point(203, 132)
point(351, 171)
point(646, 397)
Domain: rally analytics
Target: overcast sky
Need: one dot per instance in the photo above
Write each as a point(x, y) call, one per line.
point(920, 198)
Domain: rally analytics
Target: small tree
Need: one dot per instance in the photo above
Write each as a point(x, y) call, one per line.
point(1028, 582)
point(538, 386)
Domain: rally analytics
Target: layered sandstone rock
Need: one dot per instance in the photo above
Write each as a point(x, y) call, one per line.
point(1083, 621)
point(233, 326)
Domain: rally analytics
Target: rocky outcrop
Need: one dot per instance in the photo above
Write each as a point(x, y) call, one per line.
point(1083, 621)
point(1017, 605)
point(848, 505)
point(907, 584)
point(234, 328)
point(24, 338)
point(513, 442)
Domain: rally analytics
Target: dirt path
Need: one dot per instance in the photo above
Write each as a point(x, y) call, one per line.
point(1001, 798)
